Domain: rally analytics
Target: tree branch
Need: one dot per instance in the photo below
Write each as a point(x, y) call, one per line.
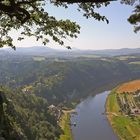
point(14, 9)
point(84, 1)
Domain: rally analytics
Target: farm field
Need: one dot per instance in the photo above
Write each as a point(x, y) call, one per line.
point(135, 62)
point(123, 110)
point(129, 87)
point(39, 58)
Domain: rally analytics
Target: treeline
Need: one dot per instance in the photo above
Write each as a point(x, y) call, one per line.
point(65, 81)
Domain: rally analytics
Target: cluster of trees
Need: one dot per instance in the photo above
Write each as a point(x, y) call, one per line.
point(65, 81)
point(26, 117)
point(22, 15)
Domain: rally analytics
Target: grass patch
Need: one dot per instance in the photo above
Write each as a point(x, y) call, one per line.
point(38, 58)
point(65, 125)
point(112, 103)
point(136, 63)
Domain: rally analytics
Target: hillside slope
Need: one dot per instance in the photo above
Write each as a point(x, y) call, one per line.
point(65, 80)
point(26, 117)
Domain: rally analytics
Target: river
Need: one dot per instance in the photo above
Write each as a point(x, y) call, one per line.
point(91, 124)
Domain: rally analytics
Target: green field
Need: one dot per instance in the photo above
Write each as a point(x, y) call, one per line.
point(39, 58)
point(135, 62)
point(65, 125)
point(127, 127)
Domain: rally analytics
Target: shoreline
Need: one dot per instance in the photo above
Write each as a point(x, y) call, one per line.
point(124, 126)
point(104, 106)
point(65, 125)
point(108, 116)
point(68, 112)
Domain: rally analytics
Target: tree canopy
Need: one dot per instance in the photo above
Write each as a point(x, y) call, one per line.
point(31, 19)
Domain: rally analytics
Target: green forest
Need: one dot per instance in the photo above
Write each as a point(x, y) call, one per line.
point(29, 85)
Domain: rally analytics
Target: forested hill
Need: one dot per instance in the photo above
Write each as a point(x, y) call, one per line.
point(26, 117)
point(34, 83)
point(62, 80)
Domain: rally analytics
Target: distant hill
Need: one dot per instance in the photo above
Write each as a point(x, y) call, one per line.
point(49, 52)
point(116, 52)
point(36, 50)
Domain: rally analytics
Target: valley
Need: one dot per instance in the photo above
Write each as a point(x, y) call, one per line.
point(40, 89)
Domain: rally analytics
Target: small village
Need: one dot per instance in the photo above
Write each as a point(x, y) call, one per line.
point(56, 111)
point(129, 102)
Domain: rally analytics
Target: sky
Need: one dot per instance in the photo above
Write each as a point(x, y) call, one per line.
point(94, 35)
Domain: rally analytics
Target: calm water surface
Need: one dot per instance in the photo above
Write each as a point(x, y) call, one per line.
point(91, 123)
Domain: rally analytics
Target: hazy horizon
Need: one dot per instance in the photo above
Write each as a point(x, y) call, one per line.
point(65, 49)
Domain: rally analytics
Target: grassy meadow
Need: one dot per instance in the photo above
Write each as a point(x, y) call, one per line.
point(65, 125)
